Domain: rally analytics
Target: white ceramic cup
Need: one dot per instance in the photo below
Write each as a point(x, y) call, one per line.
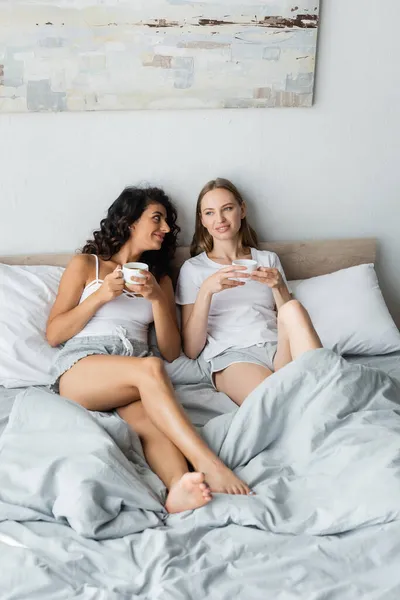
point(132, 269)
point(251, 265)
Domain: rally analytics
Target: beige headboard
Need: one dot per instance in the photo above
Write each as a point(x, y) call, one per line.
point(300, 260)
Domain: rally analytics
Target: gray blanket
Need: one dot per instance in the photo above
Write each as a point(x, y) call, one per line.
point(81, 516)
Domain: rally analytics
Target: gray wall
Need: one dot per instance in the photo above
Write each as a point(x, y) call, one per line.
point(327, 172)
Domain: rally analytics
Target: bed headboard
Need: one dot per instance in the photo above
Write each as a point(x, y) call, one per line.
point(300, 260)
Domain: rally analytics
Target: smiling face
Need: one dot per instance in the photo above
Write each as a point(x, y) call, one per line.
point(221, 214)
point(151, 228)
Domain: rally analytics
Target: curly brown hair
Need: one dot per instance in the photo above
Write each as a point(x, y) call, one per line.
point(114, 230)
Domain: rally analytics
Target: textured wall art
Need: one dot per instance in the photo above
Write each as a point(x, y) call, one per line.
point(85, 55)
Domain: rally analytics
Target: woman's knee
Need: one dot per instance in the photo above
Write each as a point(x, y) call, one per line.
point(153, 367)
point(291, 310)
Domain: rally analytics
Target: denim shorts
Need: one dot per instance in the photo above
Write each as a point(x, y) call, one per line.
point(80, 347)
point(260, 354)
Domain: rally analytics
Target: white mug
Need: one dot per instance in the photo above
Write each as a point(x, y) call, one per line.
point(132, 269)
point(251, 265)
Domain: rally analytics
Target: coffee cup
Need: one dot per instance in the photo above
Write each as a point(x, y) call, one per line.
point(251, 265)
point(132, 269)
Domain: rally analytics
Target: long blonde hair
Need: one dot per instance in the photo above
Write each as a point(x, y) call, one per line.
point(202, 240)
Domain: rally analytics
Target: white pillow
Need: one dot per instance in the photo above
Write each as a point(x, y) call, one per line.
point(348, 311)
point(26, 297)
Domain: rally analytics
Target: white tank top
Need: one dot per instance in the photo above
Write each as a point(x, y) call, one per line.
point(131, 313)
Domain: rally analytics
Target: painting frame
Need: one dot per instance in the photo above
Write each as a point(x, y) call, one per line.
point(156, 54)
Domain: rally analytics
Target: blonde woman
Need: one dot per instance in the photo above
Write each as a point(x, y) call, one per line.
point(246, 325)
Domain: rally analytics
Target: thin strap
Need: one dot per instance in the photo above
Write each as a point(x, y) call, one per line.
point(97, 266)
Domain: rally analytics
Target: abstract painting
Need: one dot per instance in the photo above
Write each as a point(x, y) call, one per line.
point(90, 55)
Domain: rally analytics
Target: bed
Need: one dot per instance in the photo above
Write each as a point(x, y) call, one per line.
point(81, 515)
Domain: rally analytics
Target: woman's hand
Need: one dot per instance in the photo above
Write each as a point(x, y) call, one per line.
point(270, 277)
point(112, 286)
point(150, 289)
point(221, 280)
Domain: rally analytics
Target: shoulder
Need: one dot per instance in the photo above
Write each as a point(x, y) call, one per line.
point(197, 261)
point(77, 273)
point(266, 258)
point(81, 263)
point(192, 265)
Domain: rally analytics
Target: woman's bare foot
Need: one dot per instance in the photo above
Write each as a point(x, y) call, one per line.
point(222, 480)
point(189, 492)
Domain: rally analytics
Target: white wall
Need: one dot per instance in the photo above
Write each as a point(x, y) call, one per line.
point(327, 172)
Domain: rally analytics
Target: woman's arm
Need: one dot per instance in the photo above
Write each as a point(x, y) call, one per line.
point(281, 295)
point(166, 326)
point(68, 317)
point(195, 323)
point(195, 316)
point(272, 277)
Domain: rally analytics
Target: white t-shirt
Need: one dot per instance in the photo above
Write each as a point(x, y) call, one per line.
point(239, 317)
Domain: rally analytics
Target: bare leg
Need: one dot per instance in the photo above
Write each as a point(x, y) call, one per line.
point(296, 334)
point(106, 382)
point(283, 355)
point(187, 491)
point(238, 380)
